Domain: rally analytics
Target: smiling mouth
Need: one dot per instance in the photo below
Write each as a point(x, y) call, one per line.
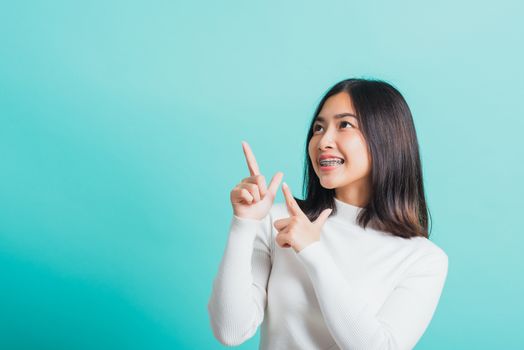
point(326, 163)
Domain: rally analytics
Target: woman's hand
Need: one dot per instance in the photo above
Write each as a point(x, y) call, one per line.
point(251, 199)
point(297, 231)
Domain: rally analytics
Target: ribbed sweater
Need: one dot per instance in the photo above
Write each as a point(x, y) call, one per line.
point(353, 289)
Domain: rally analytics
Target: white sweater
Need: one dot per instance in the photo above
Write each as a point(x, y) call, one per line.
point(353, 289)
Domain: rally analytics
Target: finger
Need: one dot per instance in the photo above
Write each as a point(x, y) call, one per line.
point(237, 196)
point(284, 240)
point(323, 217)
point(275, 182)
point(250, 158)
point(246, 196)
point(281, 223)
point(292, 205)
point(287, 238)
point(260, 181)
point(262, 185)
point(252, 189)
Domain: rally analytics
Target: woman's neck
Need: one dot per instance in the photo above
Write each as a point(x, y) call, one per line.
point(356, 193)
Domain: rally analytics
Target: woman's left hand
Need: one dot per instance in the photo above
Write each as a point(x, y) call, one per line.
point(297, 231)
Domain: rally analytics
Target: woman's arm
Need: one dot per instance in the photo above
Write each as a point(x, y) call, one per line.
point(402, 319)
point(238, 299)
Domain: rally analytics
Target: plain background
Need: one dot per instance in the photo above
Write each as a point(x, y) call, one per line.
point(120, 139)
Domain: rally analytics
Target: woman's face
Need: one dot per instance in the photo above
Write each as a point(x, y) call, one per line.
point(337, 134)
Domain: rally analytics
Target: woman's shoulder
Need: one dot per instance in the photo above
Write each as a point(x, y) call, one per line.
point(428, 250)
point(419, 245)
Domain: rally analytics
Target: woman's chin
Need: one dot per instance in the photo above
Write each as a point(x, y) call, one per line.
point(328, 184)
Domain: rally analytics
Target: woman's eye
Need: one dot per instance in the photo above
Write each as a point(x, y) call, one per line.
point(343, 124)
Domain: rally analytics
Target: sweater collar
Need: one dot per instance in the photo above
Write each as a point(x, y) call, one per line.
point(346, 212)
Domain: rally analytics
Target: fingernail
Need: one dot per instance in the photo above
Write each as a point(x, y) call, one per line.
point(284, 184)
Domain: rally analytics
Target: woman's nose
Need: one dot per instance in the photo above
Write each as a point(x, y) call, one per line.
point(325, 141)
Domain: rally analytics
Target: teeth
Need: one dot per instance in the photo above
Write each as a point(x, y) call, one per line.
point(331, 162)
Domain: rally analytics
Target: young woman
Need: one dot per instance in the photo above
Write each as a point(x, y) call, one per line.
point(351, 265)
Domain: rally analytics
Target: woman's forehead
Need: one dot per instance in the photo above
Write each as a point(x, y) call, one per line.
point(335, 106)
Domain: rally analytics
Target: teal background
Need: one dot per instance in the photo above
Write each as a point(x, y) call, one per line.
point(120, 131)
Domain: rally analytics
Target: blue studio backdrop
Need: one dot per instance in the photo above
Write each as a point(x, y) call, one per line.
point(120, 139)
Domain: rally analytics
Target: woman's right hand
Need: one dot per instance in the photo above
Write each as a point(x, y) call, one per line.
point(251, 199)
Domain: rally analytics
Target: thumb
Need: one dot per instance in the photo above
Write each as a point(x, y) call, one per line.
point(323, 217)
point(275, 182)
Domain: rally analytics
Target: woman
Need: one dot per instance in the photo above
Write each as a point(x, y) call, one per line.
point(350, 266)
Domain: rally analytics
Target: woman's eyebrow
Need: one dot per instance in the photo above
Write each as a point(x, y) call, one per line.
point(337, 116)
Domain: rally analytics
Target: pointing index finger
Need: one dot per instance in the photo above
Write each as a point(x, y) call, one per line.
point(250, 158)
point(292, 205)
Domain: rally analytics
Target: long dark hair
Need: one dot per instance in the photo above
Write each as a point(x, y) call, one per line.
point(397, 201)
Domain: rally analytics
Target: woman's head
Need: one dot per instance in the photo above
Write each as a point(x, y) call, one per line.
point(338, 150)
point(368, 126)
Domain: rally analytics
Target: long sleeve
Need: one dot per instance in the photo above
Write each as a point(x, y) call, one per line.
point(239, 293)
point(403, 317)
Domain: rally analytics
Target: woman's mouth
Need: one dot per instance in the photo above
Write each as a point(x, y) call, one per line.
point(330, 163)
